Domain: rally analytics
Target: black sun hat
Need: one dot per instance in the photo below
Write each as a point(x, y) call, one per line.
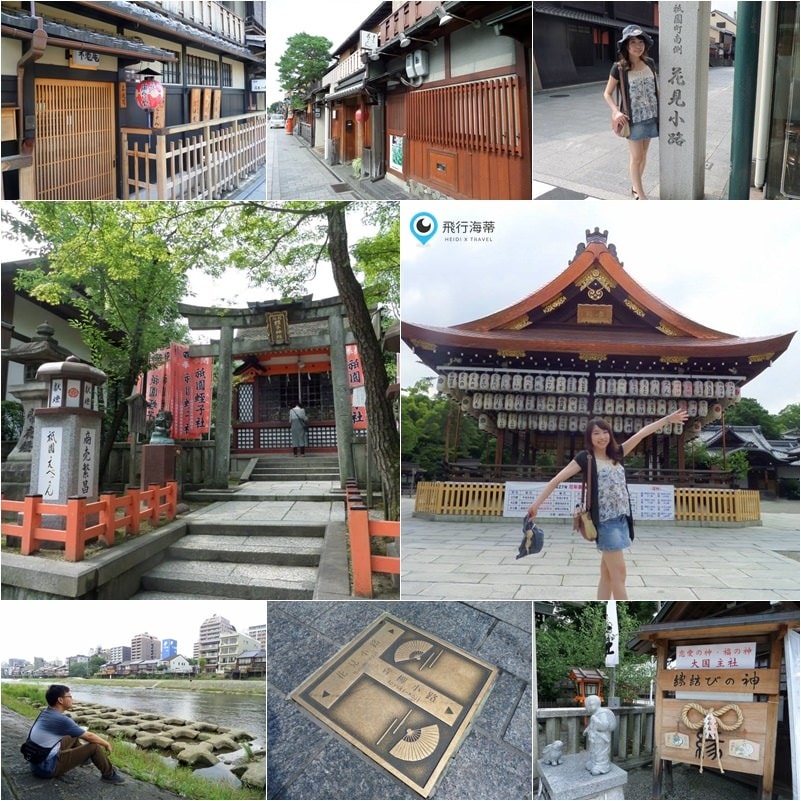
point(634, 31)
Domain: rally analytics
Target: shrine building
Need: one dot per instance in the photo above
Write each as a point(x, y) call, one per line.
point(270, 355)
point(590, 343)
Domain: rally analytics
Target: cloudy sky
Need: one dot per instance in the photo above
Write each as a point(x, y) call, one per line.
point(55, 630)
point(730, 265)
point(335, 21)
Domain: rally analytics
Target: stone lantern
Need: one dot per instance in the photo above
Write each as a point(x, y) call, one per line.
point(66, 439)
point(33, 394)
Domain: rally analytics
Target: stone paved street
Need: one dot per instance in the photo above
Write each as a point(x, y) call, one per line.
point(309, 761)
point(576, 155)
point(458, 560)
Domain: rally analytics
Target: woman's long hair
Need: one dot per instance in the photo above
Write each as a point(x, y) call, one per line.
point(624, 62)
point(614, 450)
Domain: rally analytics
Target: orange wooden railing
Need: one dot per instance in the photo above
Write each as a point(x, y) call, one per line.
point(360, 530)
point(136, 506)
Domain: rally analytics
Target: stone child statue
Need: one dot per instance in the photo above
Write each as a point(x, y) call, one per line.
point(599, 735)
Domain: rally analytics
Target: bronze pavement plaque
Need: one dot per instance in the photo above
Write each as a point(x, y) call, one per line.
point(402, 696)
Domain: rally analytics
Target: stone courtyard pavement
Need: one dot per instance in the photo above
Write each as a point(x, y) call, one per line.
point(458, 560)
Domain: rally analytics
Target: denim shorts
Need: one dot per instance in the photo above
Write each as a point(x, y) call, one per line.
point(647, 129)
point(613, 535)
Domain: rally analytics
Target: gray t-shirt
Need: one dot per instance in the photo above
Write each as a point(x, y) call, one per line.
point(47, 731)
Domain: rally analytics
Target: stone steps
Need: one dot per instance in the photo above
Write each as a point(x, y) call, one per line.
point(231, 580)
point(296, 468)
point(238, 559)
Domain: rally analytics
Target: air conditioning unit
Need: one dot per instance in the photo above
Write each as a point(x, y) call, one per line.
point(417, 64)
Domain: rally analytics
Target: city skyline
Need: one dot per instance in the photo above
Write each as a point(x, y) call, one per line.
point(34, 630)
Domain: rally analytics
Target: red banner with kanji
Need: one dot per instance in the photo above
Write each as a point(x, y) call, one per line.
point(189, 391)
point(356, 383)
point(180, 384)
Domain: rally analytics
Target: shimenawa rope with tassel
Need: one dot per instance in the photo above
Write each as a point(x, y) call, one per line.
point(710, 722)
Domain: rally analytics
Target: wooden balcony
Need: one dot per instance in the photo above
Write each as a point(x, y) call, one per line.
point(209, 15)
point(197, 161)
point(351, 65)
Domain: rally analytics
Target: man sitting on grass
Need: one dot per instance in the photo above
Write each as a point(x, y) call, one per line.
point(58, 732)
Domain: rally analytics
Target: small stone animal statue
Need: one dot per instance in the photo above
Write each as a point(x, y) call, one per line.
point(552, 753)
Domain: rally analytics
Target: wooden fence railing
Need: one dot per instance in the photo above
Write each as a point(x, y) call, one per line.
point(485, 499)
point(84, 520)
point(361, 530)
point(729, 506)
point(460, 498)
point(202, 160)
point(633, 740)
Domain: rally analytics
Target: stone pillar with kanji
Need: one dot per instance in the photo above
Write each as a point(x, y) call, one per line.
point(66, 437)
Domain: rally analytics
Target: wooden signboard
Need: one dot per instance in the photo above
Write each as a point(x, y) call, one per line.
point(207, 104)
point(123, 94)
point(160, 114)
point(217, 104)
point(194, 105)
point(739, 735)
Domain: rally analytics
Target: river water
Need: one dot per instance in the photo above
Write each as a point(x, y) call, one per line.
point(236, 710)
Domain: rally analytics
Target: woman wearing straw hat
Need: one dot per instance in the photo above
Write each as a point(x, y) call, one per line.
point(634, 79)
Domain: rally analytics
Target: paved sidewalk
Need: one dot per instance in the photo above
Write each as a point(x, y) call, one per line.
point(457, 560)
point(307, 760)
point(576, 155)
point(295, 171)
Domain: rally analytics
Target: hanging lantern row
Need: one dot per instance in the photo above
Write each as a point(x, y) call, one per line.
point(572, 385)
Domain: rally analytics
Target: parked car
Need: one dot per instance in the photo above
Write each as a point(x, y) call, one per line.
point(277, 121)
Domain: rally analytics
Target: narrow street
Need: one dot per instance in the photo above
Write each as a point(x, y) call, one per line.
point(295, 172)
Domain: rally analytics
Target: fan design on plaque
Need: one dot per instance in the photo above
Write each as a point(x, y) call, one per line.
point(417, 744)
point(413, 650)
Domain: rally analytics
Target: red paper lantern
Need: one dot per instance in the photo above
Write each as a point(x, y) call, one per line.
point(362, 115)
point(149, 94)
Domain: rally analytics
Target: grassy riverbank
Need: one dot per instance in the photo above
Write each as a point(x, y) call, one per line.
point(149, 766)
point(206, 685)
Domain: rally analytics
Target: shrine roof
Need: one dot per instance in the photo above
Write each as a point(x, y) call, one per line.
point(593, 306)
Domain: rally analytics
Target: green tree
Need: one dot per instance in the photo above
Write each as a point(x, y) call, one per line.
point(789, 418)
point(80, 670)
point(124, 267)
point(576, 637)
point(424, 423)
point(304, 61)
point(749, 412)
point(377, 258)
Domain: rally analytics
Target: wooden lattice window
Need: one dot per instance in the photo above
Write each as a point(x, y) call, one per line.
point(482, 116)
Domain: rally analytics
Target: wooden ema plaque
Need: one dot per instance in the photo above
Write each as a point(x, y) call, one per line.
point(402, 696)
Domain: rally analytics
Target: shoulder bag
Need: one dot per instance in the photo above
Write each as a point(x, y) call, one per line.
point(621, 126)
point(582, 519)
point(32, 751)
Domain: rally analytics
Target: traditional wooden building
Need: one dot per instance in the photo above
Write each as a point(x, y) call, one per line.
point(436, 95)
point(576, 42)
point(73, 128)
point(591, 342)
point(270, 355)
